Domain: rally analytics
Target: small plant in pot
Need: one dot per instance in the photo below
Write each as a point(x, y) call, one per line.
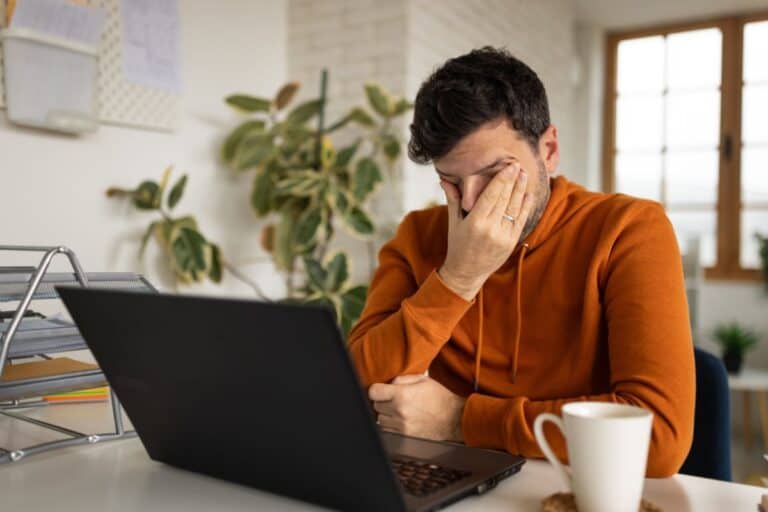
point(735, 340)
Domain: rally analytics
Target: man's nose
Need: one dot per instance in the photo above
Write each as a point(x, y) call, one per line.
point(471, 189)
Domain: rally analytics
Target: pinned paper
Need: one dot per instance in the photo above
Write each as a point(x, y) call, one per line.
point(60, 18)
point(151, 55)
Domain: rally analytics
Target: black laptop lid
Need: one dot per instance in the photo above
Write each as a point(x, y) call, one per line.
point(261, 394)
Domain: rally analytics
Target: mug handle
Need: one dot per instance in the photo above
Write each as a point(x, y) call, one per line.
point(538, 430)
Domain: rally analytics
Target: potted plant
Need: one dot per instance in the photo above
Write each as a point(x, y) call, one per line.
point(734, 340)
point(303, 185)
point(306, 187)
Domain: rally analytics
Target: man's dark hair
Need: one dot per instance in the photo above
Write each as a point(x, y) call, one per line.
point(470, 90)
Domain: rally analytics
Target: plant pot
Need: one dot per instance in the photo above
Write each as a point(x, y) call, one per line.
point(732, 361)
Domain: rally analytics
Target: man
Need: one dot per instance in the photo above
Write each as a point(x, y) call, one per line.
point(526, 291)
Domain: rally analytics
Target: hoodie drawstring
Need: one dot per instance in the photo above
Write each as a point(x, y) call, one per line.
point(519, 311)
point(479, 352)
point(518, 322)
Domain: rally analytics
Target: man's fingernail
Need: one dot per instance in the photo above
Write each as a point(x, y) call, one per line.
point(522, 176)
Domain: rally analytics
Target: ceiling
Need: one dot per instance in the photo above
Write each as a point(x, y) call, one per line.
point(623, 14)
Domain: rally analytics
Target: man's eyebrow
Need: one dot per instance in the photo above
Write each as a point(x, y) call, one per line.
point(486, 168)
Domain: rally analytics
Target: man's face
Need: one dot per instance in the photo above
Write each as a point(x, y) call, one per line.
point(477, 158)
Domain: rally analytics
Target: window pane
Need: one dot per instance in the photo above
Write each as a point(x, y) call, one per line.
point(752, 221)
point(640, 65)
point(638, 123)
point(639, 175)
point(692, 177)
point(755, 50)
point(692, 225)
point(693, 119)
point(693, 59)
point(755, 113)
point(754, 175)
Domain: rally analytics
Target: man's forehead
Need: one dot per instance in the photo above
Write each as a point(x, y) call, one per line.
point(476, 168)
point(481, 150)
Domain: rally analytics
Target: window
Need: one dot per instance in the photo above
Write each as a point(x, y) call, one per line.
point(686, 124)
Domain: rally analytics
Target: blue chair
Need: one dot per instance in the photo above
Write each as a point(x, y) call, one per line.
point(710, 454)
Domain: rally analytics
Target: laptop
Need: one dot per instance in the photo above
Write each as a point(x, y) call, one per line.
point(265, 395)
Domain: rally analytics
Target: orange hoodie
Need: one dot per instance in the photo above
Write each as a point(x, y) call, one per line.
point(600, 313)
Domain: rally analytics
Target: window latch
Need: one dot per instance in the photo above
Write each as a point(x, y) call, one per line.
point(727, 146)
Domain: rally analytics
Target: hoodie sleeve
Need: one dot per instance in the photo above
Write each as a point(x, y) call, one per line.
point(403, 325)
point(649, 346)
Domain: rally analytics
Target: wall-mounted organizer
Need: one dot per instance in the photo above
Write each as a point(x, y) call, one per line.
point(31, 365)
point(50, 82)
point(119, 101)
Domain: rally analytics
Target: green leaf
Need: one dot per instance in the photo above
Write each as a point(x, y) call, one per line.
point(337, 273)
point(304, 183)
point(358, 221)
point(362, 117)
point(145, 238)
point(214, 272)
point(304, 112)
point(252, 151)
point(315, 272)
point(177, 191)
point(261, 195)
point(328, 226)
point(341, 201)
point(284, 253)
point(378, 99)
point(286, 94)
point(357, 115)
point(353, 302)
point(367, 175)
point(306, 226)
point(248, 103)
point(145, 196)
point(185, 222)
point(346, 325)
point(345, 155)
point(189, 251)
point(391, 146)
point(229, 148)
point(327, 153)
point(401, 106)
point(163, 183)
point(322, 301)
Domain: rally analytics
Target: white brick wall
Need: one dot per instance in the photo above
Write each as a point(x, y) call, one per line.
point(538, 32)
point(356, 40)
point(397, 43)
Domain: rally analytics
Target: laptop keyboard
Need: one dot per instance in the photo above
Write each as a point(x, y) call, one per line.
point(422, 478)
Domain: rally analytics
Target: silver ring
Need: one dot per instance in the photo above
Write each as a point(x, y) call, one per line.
point(510, 218)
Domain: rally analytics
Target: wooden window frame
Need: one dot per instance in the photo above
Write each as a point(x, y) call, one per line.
point(728, 265)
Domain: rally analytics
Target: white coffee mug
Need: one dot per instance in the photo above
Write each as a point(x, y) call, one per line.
point(607, 450)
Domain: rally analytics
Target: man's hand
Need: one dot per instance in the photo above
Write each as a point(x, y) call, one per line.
point(480, 243)
point(418, 406)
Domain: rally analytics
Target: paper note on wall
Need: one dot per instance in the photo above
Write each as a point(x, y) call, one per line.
point(150, 46)
point(60, 18)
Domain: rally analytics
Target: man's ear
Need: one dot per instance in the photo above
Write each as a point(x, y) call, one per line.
point(549, 149)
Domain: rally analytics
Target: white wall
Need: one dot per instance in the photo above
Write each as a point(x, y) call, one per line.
point(539, 33)
point(52, 188)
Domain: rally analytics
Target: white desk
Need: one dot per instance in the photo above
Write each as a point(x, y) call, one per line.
point(119, 476)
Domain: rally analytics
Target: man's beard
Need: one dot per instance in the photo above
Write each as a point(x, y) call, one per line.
point(541, 200)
